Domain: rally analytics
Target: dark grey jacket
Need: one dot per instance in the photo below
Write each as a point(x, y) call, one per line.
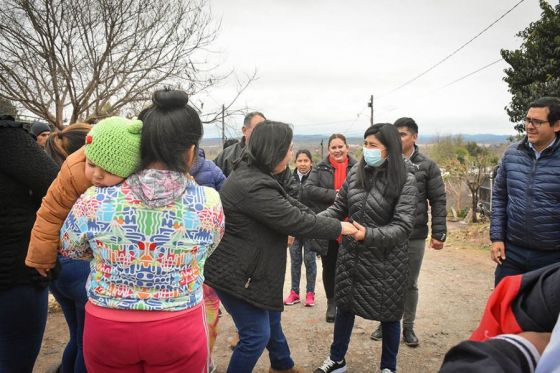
point(228, 156)
point(430, 189)
point(318, 193)
point(371, 275)
point(250, 261)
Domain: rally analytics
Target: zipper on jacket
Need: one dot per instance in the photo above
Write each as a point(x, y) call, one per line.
point(253, 269)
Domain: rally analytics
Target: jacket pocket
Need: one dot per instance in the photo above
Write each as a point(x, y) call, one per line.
point(252, 268)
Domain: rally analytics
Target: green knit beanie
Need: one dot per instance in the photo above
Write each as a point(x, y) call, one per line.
point(114, 145)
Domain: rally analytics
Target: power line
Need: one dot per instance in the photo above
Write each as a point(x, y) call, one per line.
point(454, 52)
point(472, 73)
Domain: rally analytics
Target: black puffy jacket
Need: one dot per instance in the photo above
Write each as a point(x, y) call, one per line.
point(250, 261)
point(318, 193)
point(430, 189)
point(371, 275)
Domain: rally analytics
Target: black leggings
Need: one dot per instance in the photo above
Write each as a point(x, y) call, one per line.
point(329, 268)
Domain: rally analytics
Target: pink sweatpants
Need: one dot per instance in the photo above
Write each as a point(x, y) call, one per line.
point(177, 344)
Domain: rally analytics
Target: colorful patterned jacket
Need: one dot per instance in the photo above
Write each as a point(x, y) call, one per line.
point(149, 238)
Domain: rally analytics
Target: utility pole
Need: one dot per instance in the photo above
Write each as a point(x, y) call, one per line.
point(223, 125)
point(370, 105)
point(321, 148)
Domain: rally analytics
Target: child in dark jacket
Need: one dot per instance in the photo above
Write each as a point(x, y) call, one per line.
point(304, 163)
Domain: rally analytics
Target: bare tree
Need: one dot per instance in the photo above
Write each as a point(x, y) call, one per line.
point(7, 108)
point(95, 58)
point(472, 166)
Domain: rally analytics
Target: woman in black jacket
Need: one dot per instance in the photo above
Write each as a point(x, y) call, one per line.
point(247, 269)
point(319, 193)
point(379, 196)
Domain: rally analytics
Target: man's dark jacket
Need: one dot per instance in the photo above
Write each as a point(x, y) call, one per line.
point(430, 189)
point(250, 261)
point(227, 159)
point(229, 155)
point(371, 275)
point(526, 198)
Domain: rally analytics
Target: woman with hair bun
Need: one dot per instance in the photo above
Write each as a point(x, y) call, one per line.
point(148, 238)
point(247, 269)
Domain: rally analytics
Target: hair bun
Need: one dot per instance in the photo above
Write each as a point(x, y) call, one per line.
point(168, 99)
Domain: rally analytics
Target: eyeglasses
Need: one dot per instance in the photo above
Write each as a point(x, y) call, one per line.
point(535, 122)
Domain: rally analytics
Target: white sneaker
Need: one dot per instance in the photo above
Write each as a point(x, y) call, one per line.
point(330, 366)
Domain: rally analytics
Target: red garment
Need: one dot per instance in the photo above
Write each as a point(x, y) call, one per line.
point(499, 317)
point(339, 178)
point(174, 345)
point(339, 172)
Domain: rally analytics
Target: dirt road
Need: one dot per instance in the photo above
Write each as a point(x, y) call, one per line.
point(454, 286)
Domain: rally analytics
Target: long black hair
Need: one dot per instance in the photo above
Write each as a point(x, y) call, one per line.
point(268, 145)
point(170, 128)
point(394, 168)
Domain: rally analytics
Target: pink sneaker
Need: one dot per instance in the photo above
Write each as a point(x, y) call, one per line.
point(310, 299)
point(293, 298)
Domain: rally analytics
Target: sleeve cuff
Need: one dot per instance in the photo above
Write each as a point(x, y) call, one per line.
point(525, 347)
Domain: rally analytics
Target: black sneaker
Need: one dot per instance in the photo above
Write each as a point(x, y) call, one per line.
point(409, 337)
point(330, 366)
point(377, 334)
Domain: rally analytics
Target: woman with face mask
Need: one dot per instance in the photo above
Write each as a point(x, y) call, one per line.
point(379, 197)
point(319, 192)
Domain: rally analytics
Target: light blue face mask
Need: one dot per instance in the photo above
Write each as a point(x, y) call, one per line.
point(373, 157)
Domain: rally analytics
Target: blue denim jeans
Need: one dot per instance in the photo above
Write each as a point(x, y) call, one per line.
point(257, 329)
point(343, 325)
point(309, 258)
point(520, 260)
point(23, 316)
point(69, 289)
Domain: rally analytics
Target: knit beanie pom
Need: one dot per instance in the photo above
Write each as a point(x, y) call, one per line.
point(135, 127)
point(114, 145)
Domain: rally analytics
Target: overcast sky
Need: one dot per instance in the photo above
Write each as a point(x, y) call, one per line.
point(318, 62)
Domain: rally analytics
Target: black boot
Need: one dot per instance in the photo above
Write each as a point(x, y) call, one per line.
point(409, 337)
point(331, 310)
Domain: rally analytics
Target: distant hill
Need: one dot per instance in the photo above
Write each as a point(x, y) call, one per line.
point(424, 139)
point(484, 138)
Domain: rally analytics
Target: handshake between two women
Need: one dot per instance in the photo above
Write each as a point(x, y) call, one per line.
point(353, 229)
